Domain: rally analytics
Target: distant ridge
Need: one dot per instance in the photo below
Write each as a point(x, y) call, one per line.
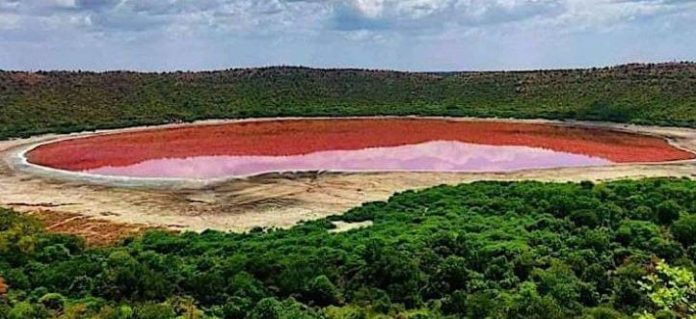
point(66, 101)
point(636, 65)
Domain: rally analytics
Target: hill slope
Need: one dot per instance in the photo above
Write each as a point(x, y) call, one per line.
point(32, 103)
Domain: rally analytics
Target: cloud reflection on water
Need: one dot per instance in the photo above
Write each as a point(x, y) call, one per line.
point(436, 156)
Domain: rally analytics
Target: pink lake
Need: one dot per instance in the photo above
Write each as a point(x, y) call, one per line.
point(433, 156)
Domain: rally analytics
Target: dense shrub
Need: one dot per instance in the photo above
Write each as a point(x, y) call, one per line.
point(33, 103)
point(487, 249)
point(684, 230)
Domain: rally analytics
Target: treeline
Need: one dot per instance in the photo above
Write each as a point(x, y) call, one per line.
point(481, 250)
point(40, 102)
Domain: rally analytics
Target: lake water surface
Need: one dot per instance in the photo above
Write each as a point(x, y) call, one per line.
point(350, 145)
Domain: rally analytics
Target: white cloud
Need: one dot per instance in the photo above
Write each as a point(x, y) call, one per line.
point(369, 8)
point(65, 3)
point(9, 21)
point(388, 33)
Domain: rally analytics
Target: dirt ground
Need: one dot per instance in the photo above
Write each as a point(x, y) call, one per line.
point(96, 231)
point(84, 205)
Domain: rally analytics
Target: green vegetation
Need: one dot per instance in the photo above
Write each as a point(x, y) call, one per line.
point(671, 288)
point(33, 103)
point(487, 249)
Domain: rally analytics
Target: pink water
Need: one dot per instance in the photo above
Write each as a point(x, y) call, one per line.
point(434, 156)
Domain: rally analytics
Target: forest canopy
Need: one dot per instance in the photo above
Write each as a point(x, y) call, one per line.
point(486, 249)
point(60, 101)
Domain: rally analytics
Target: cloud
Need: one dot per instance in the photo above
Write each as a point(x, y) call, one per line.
point(348, 15)
point(389, 33)
point(348, 18)
point(429, 14)
point(8, 21)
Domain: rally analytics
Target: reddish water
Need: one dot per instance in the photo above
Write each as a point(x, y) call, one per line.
point(349, 145)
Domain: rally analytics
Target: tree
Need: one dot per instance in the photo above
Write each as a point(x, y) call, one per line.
point(636, 233)
point(527, 303)
point(267, 308)
point(271, 308)
point(559, 282)
point(451, 274)
point(236, 308)
point(668, 211)
point(684, 230)
point(671, 288)
point(323, 292)
point(585, 217)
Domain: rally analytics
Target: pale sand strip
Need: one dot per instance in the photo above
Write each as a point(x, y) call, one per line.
point(270, 200)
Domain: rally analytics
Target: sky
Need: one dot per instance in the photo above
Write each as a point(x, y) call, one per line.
point(409, 35)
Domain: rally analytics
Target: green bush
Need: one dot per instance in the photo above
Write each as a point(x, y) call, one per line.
point(155, 311)
point(53, 301)
point(485, 249)
point(684, 230)
point(323, 292)
point(668, 211)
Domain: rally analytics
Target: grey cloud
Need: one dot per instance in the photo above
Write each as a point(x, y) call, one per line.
point(127, 22)
point(96, 5)
point(348, 18)
point(665, 2)
point(158, 7)
point(495, 13)
point(428, 16)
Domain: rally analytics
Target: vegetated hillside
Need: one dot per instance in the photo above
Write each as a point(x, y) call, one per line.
point(32, 103)
point(481, 250)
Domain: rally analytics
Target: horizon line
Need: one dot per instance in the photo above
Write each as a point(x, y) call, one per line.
point(362, 69)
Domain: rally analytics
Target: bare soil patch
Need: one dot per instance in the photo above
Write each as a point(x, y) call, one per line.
point(95, 231)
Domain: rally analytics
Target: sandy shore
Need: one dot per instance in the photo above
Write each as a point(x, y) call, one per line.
point(274, 200)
